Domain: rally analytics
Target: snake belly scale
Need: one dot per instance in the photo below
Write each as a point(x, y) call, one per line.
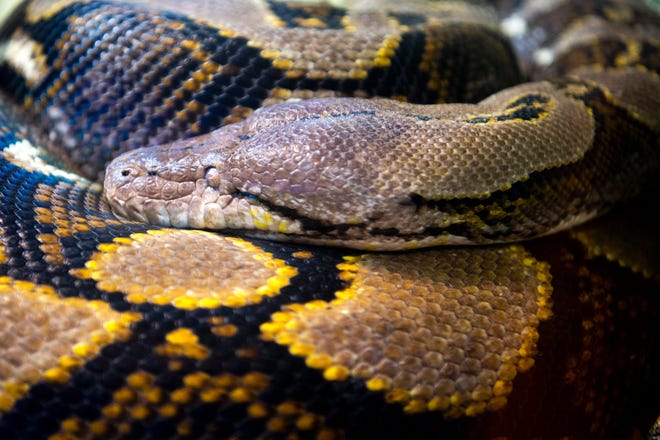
point(117, 325)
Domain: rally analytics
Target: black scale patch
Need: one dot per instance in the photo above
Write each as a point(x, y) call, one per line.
point(301, 15)
point(527, 108)
point(408, 19)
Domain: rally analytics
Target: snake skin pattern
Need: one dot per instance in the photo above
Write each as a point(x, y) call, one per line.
point(118, 329)
point(382, 175)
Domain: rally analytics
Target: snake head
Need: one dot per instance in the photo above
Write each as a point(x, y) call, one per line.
point(158, 185)
point(279, 174)
point(354, 172)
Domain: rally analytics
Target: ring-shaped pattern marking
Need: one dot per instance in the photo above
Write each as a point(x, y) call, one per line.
point(444, 330)
point(46, 337)
point(217, 271)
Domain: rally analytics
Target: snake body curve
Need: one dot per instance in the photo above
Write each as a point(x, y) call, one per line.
point(528, 161)
point(120, 329)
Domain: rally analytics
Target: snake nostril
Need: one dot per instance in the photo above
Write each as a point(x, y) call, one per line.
point(125, 173)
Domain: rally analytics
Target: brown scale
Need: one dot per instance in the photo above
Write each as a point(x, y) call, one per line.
point(552, 28)
point(147, 94)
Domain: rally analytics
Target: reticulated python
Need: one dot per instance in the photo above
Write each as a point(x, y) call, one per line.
point(115, 328)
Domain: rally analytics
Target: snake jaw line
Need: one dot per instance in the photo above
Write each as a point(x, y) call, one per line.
point(166, 186)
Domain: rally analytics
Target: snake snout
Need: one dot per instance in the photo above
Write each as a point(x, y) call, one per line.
point(117, 189)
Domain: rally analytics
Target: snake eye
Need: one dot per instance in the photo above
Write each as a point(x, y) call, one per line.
point(212, 176)
point(152, 173)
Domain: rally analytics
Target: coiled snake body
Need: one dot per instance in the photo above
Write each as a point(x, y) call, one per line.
point(119, 328)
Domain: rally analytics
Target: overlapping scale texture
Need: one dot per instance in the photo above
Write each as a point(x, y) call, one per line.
point(45, 337)
point(438, 330)
point(204, 270)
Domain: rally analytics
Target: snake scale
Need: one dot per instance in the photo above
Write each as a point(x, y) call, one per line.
point(116, 328)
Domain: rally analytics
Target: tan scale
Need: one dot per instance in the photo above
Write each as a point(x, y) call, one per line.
point(443, 330)
point(303, 255)
point(149, 268)
point(46, 337)
point(28, 57)
point(41, 9)
point(278, 96)
point(221, 328)
point(26, 155)
point(237, 114)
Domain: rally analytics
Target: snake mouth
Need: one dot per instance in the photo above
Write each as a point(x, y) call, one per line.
point(152, 185)
point(129, 208)
point(147, 195)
